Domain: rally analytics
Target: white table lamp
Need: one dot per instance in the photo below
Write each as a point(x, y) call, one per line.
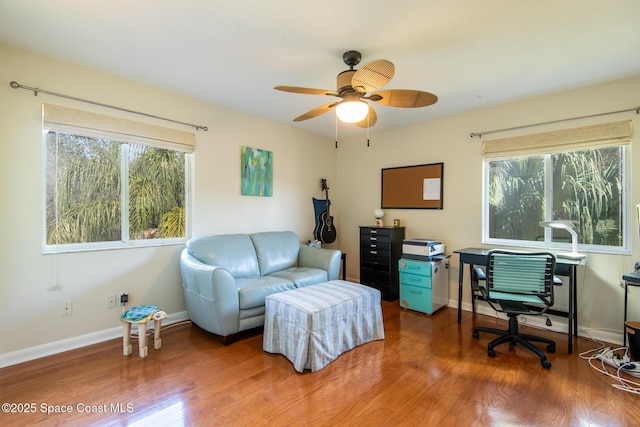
point(379, 214)
point(571, 228)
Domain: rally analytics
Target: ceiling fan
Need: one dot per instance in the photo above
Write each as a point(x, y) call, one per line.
point(355, 87)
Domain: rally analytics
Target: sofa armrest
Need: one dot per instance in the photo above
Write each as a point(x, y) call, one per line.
point(325, 259)
point(211, 295)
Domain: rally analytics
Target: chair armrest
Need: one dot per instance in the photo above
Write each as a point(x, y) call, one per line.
point(477, 289)
point(478, 274)
point(211, 295)
point(557, 281)
point(210, 281)
point(324, 259)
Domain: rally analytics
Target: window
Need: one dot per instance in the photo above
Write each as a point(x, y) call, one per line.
point(112, 183)
point(575, 175)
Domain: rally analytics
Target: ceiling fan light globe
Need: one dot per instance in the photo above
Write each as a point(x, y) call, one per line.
point(352, 111)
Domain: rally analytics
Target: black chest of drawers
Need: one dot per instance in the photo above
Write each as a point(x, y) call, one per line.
point(380, 250)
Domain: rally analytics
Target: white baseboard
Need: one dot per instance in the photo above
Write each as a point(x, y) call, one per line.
point(559, 324)
point(36, 352)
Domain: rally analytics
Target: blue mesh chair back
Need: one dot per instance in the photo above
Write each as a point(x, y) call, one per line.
point(520, 277)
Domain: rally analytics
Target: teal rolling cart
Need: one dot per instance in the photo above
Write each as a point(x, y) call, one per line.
point(424, 285)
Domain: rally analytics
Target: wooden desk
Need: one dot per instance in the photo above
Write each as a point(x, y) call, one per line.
point(564, 267)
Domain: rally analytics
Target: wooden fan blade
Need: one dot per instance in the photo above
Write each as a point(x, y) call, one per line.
point(316, 112)
point(403, 98)
point(370, 120)
point(373, 75)
point(306, 90)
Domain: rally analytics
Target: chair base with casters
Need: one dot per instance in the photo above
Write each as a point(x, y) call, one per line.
point(517, 283)
point(513, 336)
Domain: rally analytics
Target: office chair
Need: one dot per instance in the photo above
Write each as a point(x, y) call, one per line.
point(518, 283)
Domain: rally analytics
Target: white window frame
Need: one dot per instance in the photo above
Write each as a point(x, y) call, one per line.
point(125, 132)
point(613, 134)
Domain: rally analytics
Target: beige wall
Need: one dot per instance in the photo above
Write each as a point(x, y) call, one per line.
point(459, 224)
point(31, 318)
point(30, 314)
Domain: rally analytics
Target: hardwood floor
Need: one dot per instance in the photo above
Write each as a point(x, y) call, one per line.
point(429, 370)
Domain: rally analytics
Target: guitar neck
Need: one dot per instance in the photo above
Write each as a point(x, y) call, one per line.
point(327, 203)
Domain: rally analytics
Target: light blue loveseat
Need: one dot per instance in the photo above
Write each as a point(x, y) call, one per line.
point(226, 278)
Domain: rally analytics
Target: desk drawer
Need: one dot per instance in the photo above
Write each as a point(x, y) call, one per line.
point(414, 267)
point(375, 231)
point(375, 255)
point(415, 298)
point(415, 280)
point(373, 271)
point(366, 240)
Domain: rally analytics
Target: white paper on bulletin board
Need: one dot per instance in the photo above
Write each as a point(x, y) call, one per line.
point(431, 189)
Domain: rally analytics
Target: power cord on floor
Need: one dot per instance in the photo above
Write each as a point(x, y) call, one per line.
point(150, 331)
point(596, 360)
point(502, 319)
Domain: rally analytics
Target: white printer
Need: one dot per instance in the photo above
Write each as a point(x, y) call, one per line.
point(423, 249)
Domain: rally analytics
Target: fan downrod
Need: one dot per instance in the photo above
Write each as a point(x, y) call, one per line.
point(352, 58)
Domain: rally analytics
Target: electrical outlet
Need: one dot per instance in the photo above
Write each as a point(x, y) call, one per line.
point(123, 298)
point(111, 301)
point(68, 309)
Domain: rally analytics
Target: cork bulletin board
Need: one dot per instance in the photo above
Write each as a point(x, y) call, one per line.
point(412, 187)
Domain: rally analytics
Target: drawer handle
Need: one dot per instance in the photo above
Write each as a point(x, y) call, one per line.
point(374, 231)
point(373, 252)
point(414, 279)
point(373, 246)
point(373, 238)
point(415, 292)
point(413, 267)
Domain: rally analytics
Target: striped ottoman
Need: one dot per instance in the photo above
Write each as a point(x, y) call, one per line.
point(314, 325)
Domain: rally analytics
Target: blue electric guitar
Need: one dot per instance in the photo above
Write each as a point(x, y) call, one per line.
point(326, 229)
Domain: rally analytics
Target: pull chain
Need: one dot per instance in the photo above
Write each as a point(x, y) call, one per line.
point(368, 122)
point(336, 131)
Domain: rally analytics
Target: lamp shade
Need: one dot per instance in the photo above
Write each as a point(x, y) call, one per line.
point(564, 225)
point(352, 111)
point(571, 228)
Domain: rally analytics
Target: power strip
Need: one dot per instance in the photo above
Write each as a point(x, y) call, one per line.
point(614, 360)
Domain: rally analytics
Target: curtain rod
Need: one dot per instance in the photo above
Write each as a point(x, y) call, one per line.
point(35, 90)
point(479, 134)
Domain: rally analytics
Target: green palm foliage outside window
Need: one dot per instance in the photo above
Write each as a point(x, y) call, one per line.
point(516, 198)
point(585, 187)
point(84, 197)
point(156, 193)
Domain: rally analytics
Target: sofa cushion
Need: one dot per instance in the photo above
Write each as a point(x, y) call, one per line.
point(235, 252)
point(302, 276)
point(276, 250)
point(252, 291)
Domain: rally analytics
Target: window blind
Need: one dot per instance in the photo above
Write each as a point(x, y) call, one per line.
point(64, 119)
point(581, 138)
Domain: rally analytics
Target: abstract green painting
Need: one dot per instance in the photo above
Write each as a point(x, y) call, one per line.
point(256, 172)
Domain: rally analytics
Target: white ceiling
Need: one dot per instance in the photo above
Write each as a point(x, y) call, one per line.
point(471, 53)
